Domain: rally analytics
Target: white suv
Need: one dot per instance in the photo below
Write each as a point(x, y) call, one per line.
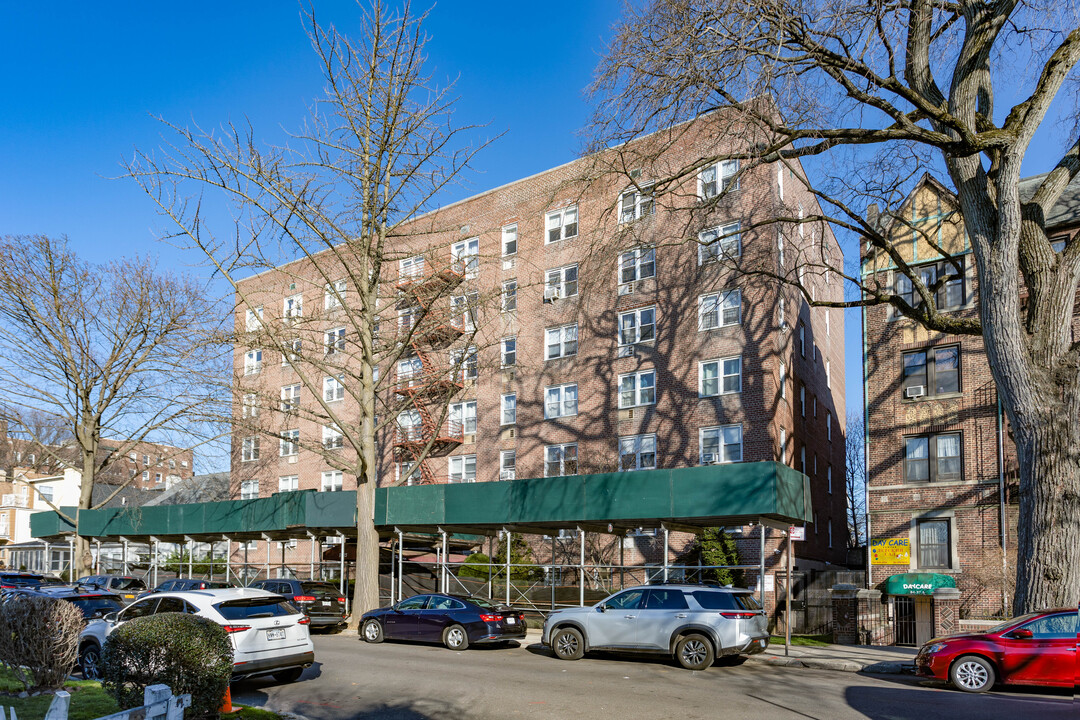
point(269, 636)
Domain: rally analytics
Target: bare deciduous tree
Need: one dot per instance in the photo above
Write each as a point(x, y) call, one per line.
point(855, 479)
point(104, 351)
point(873, 94)
point(347, 199)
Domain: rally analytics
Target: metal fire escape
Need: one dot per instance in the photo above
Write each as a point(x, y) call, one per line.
point(429, 326)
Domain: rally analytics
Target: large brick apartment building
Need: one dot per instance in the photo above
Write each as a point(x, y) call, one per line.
point(619, 336)
point(942, 473)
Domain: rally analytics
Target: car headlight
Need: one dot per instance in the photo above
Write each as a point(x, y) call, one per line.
point(935, 648)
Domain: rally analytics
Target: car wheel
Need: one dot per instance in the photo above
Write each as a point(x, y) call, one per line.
point(972, 673)
point(694, 652)
point(290, 675)
point(455, 637)
point(90, 661)
point(373, 631)
point(568, 644)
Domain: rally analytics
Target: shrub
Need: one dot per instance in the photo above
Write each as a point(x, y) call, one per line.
point(39, 640)
point(476, 566)
point(188, 653)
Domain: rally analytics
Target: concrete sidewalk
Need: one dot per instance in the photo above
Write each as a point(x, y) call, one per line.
point(845, 658)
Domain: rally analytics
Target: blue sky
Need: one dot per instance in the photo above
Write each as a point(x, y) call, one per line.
point(80, 82)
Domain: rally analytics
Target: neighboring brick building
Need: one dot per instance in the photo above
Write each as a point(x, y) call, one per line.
point(941, 466)
point(618, 337)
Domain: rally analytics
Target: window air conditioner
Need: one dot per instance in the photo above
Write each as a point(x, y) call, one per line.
point(708, 458)
point(915, 391)
point(551, 293)
point(627, 351)
point(507, 474)
point(626, 289)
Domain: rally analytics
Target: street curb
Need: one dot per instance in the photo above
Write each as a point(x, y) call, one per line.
point(886, 668)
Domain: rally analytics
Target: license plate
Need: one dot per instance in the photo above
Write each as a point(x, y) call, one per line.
point(277, 634)
point(130, 597)
point(326, 603)
point(511, 621)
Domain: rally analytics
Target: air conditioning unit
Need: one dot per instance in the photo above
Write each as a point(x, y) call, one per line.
point(630, 414)
point(551, 293)
point(915, 391)
point(627, 351)
point(507, 474)
point(708, 458)
point(508, 264)
point(626, 289)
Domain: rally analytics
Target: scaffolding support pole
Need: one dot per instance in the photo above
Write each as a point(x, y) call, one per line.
point(552, 577)
point(267, 556)
point(190, 554)
point(443, 570)
point(666, 548)
point(761, 576)
point(228, 558)
point(311, 555)
point(341, 568)
point(400, 560)
point(97, 560)
point(124, 549)
point(155, 560)
point(581, 568)
point(508, 545)
point(46, 564)
point(392, 563)
point(210, 554)
point(622, 561)
point(71, 559)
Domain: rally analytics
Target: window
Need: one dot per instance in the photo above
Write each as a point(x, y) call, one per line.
point(561, 282)
point(637, 389)
point(828, 371)
point(290, 352)
point(719, 377)
point(828, 475)
point(462, 468)
point(561, 342)
point(335, 341)
point(1054, 627)
point(289, 483)
point(780, 314)
point(146, 476)
point(830, 532)
point(509, 240)
point(464, 413)
point(1057, 244)
point(249, 408)
point(828, 425)
point(467, 254)
point(637, 264)
point(828, 324)
point(407, 318)
point(507, 464)
point(932, 458)
point(802, 400)
point(408, 473)
point(249, 450)
point(637, 452)
point(334, 295)
point(934, 371)
point(411, 267)
point(718, 177)
point(509, 296)
point(252, 362)
point(562, 224)
point(560, 460)
point(290, 398)
point(802, 340)
point(636, 203)
point(46, 492)
point(721, 444)
point(332, 438)
point(289, 444)
point(783, 445)
point(637, 326)
point(293, 307)
point(720, 309)
point(254, 319)
point(249, 489)
point(509, 409)
point(509, 352)
point(465, 364)
point(783, 380)
point(333, 388)
point(331, 481)
point(157, 478)
point(720, 243)
point(780, 245)
point(463, 310)
point(560, 401)
point(950, 296)
point(934, 545)
point(802, 460)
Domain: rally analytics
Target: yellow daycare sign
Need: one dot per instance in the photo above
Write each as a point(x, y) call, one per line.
point(891, 551)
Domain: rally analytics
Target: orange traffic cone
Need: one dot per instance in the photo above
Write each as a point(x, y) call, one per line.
point(226, 702)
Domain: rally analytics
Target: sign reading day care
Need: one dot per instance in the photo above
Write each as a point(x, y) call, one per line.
point(890, 551)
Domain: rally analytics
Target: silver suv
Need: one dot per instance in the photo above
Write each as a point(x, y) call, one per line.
point(693, 623)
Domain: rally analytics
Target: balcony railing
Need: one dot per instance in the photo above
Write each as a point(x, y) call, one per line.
point(14, 500)
point(451, 430)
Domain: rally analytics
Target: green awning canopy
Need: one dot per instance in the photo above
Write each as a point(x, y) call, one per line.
point(684, 498)
point(918, 583)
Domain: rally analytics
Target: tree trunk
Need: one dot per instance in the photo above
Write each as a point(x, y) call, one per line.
point(80, 557)
point(366, 592)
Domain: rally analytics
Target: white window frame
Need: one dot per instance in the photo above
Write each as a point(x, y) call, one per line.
point(290, 398)
point(253, 319)
point(722, 174)
point(783, 380)
point(249, 451)
point(638, 326)
point(291, 352)
point(722, 303)
point(289, 443)
point(637, 261)
point(828, 477)
point(411, 267)
point(565, 401)
point(407, 472)
point(634, 383)
point(253, 362)
point(249, 489)
point(802, 400)
point(509, 295)
point(464, 412)
point(463, 310)
point(508, 471)
point(332, 481)
point(557, 221)
point(508, 409)
point(465, 364)
point(508, 352)
point(334, 341)
point(509, 238)
point(333, 388)
point(458, 469)
point(332, 301)
point(562, 460)
point(332, 438)
point(249, 408)
point(722, 432)
point(564, 340)
point(292, 307)
point(637, 446)
point(557, 278)
point(467, 252)
point(828, 425)
point(714, 247)
point(635, 203)
point(722, 375)
point(288, 483)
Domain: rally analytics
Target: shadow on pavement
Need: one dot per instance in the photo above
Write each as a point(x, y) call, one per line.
point(899, 702)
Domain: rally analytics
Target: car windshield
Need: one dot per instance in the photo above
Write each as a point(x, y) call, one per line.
point(128, 583)
point(250, 608)
point(95, 607)
point(1009, 623)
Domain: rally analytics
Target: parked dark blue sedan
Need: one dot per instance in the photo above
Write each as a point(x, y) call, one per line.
point(456, 621)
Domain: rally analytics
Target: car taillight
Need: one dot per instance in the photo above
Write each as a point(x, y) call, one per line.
point(491, 618)
point(304, 621)
point(341, 600)
point(236, 628)
point(739, 614)
point(304, 598)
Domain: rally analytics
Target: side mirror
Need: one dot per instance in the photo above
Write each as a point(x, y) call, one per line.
point(601, 608)
point(111, 617)
point(1022, 634)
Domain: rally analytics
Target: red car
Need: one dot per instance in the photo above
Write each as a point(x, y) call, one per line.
point(1035, 649)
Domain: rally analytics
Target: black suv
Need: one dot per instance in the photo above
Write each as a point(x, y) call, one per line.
point(128, 587)
point(184, 584)
point(322, 602)
point(93, 604)
point(11, 580)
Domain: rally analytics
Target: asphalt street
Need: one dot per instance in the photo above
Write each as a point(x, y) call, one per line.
point(352, 679)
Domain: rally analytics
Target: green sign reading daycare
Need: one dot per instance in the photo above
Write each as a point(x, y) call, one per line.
point(918, 583)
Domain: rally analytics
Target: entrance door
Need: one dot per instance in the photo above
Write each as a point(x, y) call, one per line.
point(924, 619)
point(905, 619)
